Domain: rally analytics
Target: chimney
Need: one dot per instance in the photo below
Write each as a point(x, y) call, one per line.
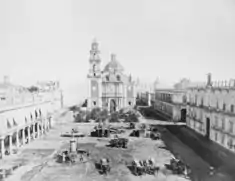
point(6, 79)
point(209, 83)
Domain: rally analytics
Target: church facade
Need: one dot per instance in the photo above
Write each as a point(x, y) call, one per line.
point(109, 88)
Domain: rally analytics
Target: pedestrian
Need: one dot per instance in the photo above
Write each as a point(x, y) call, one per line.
point(81, 158)
point(63, 157)
point(211, 170)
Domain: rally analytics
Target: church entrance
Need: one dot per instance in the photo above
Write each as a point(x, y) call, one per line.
point(112, 106)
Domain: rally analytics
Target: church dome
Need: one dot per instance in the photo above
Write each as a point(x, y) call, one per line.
point(113, 65)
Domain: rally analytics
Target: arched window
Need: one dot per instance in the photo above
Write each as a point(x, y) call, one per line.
point(232, 108)
point(224, 106)
point(118, 78)
point(217, 104)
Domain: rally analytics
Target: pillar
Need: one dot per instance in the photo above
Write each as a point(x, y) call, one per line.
point(42, 127)
point(2, 146)
point(34, 135)
point(29, 135)
point(10, 144)
point(17, 139)
point(23, 136)
point(38, 131)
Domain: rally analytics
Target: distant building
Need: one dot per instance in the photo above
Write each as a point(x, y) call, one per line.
point(110, 88)
point(171, 103)
point(211, 112)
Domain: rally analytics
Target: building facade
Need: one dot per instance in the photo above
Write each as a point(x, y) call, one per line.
point(28, 118)
point(171, 103)
point(109, 88)
point(210, 111)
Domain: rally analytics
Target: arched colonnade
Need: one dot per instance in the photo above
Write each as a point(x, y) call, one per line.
point(20, 126)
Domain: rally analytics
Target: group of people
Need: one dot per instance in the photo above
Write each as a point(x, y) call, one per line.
point(145, 166)
point(68, 157)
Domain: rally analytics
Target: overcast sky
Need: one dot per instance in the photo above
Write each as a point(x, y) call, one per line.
point(169, 39)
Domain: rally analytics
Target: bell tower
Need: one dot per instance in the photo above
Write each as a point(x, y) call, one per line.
point(94, 77)
point(94, 59)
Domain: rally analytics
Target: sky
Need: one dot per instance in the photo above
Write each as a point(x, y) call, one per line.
point(51, 39)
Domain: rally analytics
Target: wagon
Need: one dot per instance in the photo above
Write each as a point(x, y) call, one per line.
point(104, 166)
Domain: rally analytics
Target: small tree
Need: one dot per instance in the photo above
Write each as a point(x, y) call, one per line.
point(85, 103)
point(103, 115)
point(33, 89)
point(132, 118)
point(95, 113)
point(114, 117)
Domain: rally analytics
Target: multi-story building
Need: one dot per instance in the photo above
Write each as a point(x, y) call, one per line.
point(25, 115)
point(210, 111)
point(171, 103)
point(110, 88)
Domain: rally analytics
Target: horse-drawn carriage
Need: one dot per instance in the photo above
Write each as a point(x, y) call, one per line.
point(140, 167)
point(100, 132)
point(178, 167)
point(103, 166)
point(118, 142)
point(155, 135)
point(66, 157)
point(132, 125)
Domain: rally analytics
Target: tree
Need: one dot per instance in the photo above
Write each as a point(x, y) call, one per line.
point(114, 117)
point(103, 115)
point(132, 118)
point(95, 113)
point(85, 103)
point(33, 89)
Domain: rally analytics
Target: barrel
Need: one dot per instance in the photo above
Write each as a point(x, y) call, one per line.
point(73, 145)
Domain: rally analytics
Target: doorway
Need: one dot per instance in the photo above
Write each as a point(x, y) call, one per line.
point(112, 106)
point(208, 127)
point(183, 115)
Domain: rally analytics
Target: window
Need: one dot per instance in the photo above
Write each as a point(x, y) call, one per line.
point(223, 123)
point(107, 78)
point(224, 106)
point(222, 139)
point(94, 74)
point(200, 127)
point(217, 104)
point(216, 121)
point(202, 102)
point(129, 103)
point(94, 103)
point(216, 136)
point(230, 143)
point(195, 99)
point(231, 126)
point(232, 108)
point(118, 78)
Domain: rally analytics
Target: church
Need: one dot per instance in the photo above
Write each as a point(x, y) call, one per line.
point(109, 88)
